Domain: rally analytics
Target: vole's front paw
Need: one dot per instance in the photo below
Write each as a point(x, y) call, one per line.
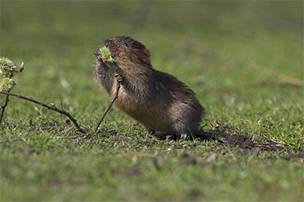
point(118, 77)
point(98, 56)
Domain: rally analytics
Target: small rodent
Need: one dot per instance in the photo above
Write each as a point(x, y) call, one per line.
point(159, 101)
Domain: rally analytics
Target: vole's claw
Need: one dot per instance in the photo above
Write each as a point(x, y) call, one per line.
point(99, 59)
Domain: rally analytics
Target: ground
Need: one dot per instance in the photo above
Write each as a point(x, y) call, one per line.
point(243, 60)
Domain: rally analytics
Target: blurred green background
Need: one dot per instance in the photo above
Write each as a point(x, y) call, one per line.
point(244, 59)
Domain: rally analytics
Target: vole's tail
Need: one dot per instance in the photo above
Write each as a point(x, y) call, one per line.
point(205, 135)
point(224, 138)
point(210, 135)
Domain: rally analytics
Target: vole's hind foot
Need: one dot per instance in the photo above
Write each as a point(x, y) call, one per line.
point(186, 136)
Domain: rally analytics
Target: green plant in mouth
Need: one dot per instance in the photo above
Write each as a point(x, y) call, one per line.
point(105, 54)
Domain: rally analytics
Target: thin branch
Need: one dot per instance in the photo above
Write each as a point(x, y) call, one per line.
point(109, 107)
point(3, 107)
point(50, 107)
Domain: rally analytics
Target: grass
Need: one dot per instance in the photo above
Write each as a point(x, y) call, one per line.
point(232, 54)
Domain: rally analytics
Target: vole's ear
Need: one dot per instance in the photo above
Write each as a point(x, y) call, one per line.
point(144, 56)
point(146, 52)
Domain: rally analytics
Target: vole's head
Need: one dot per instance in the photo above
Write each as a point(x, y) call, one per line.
point(127, 51)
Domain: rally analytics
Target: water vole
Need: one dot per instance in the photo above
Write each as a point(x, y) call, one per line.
point(159, 101)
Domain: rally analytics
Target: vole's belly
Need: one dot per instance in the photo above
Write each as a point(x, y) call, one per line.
point(151, 115)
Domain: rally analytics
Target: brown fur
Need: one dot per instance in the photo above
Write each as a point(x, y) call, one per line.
point(158, 100)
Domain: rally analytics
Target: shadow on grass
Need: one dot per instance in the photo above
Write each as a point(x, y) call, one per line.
point(226, 135)
point(240, 140)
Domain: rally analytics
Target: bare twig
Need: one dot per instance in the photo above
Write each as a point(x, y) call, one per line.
point(3, 107)
point(109, 107)
point(50, 107)
point(290, 80)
